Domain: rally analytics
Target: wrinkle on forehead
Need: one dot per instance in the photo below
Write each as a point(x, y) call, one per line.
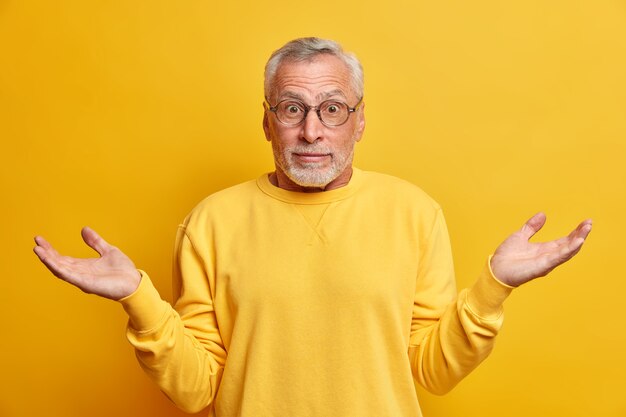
point(319, 79)
point(319, 97)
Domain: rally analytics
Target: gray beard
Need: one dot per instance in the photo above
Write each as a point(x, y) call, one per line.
point(309, 174)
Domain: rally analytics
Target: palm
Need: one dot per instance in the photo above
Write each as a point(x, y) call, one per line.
point(113, 275)
point(517, 261)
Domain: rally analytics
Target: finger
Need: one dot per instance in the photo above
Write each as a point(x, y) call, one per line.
point(568, 251)
point(40, 241)
point(51, 259)
point(58, 264)
point(41, 252)
point(44, 249)
point(94, 240)
point(581, 231)
point(572, 244)
point(533, 225)
point(580, 235)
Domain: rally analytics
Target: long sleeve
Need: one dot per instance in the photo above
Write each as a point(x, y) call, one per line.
point(315, 298)
point(451, 335)
point(180, 349)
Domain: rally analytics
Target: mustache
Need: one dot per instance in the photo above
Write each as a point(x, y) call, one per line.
point(312, 148)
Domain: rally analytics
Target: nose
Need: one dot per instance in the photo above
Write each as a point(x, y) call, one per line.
point(312, 127)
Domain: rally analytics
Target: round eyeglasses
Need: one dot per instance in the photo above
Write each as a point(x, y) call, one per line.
point(331, 113)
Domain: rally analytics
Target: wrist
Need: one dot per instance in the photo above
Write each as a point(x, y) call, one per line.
point(128, 287)
point(498, 271)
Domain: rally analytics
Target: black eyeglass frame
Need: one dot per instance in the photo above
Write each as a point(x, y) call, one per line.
point(307, 108)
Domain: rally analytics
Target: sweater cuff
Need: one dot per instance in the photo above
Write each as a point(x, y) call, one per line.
point(487, 295)
point(144, 307)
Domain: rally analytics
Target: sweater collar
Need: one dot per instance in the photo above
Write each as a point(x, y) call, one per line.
point(322, 197)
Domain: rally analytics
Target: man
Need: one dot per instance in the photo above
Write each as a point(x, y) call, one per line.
point(318, 289)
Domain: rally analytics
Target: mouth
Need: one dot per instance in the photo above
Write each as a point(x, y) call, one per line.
point(311, 157)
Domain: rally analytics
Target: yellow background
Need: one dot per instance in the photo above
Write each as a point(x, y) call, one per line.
point(122, 115)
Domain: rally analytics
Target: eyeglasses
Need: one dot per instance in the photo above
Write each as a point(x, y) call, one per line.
point(331, 113)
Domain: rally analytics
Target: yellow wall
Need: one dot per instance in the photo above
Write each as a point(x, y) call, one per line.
point(121, 115)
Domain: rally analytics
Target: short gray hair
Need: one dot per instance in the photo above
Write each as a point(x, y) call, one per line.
point(307, 49)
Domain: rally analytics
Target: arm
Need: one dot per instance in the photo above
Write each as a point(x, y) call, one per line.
point(450, 338)
point(181, 349)
point(182, 352)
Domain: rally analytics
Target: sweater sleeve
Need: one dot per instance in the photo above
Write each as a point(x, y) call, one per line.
point(451, 335)
point(179, 348)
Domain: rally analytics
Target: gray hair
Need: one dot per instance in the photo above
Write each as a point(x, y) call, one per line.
point(307, 49)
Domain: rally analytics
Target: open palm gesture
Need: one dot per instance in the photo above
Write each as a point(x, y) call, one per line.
point(113, 275)
point(517, 261)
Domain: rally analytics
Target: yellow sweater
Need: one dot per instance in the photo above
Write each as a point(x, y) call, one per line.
point(325, 304)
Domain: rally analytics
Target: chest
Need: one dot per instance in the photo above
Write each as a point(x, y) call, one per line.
point(315, 257)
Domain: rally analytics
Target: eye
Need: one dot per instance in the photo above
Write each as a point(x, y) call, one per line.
point(333, 108)
point(291, 108)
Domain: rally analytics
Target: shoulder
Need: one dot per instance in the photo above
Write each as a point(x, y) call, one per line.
point(231, 195)
point(226, 202)
point(396, 190)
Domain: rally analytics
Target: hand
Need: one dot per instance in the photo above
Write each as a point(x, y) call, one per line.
point(113, 275)
point(517, 261)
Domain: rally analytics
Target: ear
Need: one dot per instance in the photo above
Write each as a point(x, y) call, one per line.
point(360, 123)
point(266, 126)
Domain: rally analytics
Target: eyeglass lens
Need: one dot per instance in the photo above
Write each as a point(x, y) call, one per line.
point(331, 112)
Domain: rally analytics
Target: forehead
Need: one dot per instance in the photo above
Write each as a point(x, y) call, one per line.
point(323, 76)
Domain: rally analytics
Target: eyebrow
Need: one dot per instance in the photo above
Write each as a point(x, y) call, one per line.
point(320, 97)
point(289, 94)
point(328, 94)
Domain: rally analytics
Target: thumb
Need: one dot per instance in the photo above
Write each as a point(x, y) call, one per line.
point(94, 241)
point(533, 225)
